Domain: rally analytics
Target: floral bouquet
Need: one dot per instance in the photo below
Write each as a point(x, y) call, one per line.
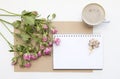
point(34, 34)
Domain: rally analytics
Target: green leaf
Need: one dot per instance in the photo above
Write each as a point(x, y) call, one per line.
point(11, 50)
point(16, 24)
point(48, 16)
point(38, 28)
point(28, 20)
point(53, 16)
point(20, 53)
point(25, 37)
point(28, 29)
point(28, 17)
point(21, 62)
point(24, 12)
point(20, 49)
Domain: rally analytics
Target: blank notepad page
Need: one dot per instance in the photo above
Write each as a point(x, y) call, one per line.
point(75, 52)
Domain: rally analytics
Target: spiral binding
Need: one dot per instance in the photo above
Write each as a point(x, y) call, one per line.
point(77, 35)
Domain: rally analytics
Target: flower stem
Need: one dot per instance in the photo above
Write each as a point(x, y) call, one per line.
point(10, 12)
point(6, 27)
point(6, 41)
point(8, 15)
point(6, 22)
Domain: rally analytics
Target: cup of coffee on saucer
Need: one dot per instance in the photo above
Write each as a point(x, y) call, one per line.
point(93, 14)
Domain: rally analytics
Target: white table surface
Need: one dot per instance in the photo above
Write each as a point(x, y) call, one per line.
point(66, 10)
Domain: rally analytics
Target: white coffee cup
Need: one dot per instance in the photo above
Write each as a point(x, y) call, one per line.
point(93, 14)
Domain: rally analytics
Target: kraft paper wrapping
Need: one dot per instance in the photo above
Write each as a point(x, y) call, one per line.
point(45, 63)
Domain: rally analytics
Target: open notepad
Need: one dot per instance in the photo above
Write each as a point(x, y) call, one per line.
point(74, 52)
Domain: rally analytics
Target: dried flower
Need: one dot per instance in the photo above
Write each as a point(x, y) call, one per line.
point(50, 43)
point(33, 56)
point(27, 56)
point(44, 39)
point(42, 47)
point(47, 51)
point(57, 41)
point(39, 54)
point(53, 31)
point(34, 34)
point(35, 13)
point(93, 43)
point(27, 64)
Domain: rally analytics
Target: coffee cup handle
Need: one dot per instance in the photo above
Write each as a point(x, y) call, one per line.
point(106, 21)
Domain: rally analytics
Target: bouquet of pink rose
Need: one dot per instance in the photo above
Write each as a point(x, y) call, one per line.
point(35, 34)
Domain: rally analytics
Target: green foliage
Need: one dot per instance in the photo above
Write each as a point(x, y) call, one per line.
point(53, 16)
point(28, 18)
point(30, 33)
point(16, 24)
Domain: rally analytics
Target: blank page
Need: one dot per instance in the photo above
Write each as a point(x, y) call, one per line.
point(74, 53)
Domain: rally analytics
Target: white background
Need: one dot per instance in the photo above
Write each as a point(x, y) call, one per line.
point(66, 10)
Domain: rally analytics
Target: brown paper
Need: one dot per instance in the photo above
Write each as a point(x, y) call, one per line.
point(45, 64)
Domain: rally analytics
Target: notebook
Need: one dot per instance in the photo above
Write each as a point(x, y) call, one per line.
point(78, 51)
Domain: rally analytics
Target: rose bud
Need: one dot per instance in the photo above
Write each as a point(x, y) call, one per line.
point(14, 61)
point(39, 54)
point(50, 43)
point(27, 64)
point(53, 31)
point(47, 51)
point(42, 47)
point(35, 13)
point(57, 41)
point(27, 56)
point(44, 39)
point(33, 56)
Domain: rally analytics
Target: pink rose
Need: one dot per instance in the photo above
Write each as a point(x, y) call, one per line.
point(53, 31)
point(47, 51)
point(45, 27)
point(50, 43)
point(42, 47)
point(57, 41)
point(39, 54)
point(33, 56)
point(44, 39)
point(27, 64)
point(27, 56)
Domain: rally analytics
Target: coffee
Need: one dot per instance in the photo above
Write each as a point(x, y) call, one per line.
point(93, 14)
